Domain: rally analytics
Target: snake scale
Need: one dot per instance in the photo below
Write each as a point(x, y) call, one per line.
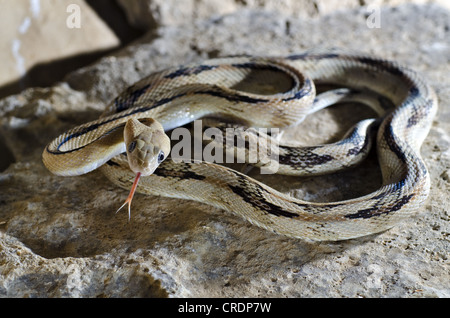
point(271, 92)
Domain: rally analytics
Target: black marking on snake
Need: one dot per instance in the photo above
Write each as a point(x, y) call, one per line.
point(415, 117)
point(301, 93)
point(354, 151)
point(381, 195)
point(80, 133)
point(414, 92)
point(258, 66)
point(384, 65)
point(324, 208)
point(361, 142)
point(236, 98)
point(187, 71)
point(124, 103)
point(399, 185)
point(391, 141)
point(257, 198)
point(179, 174)
point(419, 113)
point(376, 211)
point(354, 138)
point(309, 158)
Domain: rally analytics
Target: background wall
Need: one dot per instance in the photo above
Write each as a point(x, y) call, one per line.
point(40, 43)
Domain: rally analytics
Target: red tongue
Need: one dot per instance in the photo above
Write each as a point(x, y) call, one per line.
point(130, 196)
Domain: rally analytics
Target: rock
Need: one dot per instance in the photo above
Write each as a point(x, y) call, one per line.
point(61, 237)
point(44, 32)
point(153, 13)
point(149, 14)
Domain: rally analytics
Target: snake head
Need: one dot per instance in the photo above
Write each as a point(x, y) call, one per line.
point(147, 145)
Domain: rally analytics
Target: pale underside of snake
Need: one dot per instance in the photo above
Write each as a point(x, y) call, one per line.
point(270, 92)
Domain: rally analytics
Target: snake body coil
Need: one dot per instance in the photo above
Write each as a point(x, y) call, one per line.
point(220, 88)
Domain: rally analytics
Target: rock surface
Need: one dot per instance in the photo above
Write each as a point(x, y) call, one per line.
point(150, 14)
point(40, 32)
point(60, 237)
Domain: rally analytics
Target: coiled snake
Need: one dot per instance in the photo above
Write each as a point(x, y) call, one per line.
point(266, 92)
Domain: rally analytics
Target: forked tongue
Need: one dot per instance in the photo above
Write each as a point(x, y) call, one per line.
point(130, 196)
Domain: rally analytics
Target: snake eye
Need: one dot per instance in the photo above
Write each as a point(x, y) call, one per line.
point(131, 146)
point(160, 156)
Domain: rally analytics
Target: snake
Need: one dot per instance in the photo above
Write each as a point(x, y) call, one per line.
point(129, 141)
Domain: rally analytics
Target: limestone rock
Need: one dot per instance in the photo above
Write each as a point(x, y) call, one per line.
point(149, 14)
point(61, 237)
point(152, 13)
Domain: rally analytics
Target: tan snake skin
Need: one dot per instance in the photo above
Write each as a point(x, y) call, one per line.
point(221, 88)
